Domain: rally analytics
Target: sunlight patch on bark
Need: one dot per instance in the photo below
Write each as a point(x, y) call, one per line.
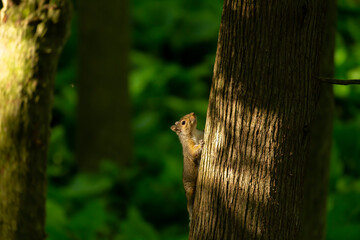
point(15, 73)
point(219, 140)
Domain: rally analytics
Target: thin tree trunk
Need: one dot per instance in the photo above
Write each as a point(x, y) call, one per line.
point(32, 34)
point(104, 129)
point(317, 165)
point(262, 103)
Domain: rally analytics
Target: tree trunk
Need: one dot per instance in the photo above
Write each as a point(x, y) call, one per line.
point(261, 108)
point(317, 164)
point(104, 129)
point(32, 34)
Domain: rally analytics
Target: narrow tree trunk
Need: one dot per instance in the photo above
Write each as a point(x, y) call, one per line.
point(317, 165)
point(261, 107)
point(104, 129)
point(32, 34)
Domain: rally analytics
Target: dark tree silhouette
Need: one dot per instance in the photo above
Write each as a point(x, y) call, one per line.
point(104, 129)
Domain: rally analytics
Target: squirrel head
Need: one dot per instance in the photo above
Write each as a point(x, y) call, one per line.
point(186, 125)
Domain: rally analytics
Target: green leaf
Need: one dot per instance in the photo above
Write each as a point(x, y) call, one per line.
point(56, 221)
point(86, 185)
point(136, 228)
point(89, 221)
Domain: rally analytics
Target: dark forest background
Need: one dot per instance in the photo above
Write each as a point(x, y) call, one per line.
point(172, 56)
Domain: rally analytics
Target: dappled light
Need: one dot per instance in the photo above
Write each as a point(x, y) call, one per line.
point(258, 82)
point(28, 62)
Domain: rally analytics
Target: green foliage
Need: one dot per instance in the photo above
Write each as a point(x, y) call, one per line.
point(136, 228)
point(174, 44)
point(344, 196)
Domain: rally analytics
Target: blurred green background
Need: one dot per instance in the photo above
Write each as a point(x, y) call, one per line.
point(172, 56)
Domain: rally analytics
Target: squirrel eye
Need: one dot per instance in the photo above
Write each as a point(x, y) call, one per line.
point(183, 123)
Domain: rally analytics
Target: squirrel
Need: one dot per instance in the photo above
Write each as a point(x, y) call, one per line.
point(192, 141)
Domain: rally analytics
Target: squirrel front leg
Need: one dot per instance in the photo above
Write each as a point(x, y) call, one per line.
point(196, 149)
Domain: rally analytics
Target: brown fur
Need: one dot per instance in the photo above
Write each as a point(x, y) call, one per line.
point(192, 143)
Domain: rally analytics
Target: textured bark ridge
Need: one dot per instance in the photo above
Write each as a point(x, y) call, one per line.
point(32, 34)
point(317, 165)
point(261, 107)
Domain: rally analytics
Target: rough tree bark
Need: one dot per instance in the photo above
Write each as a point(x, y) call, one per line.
point(317, 164)
point(261, 109)
point(32, 33)
point(104, 120)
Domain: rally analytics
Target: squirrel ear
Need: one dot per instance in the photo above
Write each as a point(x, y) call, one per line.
point(174, 128)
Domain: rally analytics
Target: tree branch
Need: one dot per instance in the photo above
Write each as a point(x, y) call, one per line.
point(339, 81)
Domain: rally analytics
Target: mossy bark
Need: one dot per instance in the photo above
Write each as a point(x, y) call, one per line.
point(32, 34)
point(104, 117)
point(261, 108)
